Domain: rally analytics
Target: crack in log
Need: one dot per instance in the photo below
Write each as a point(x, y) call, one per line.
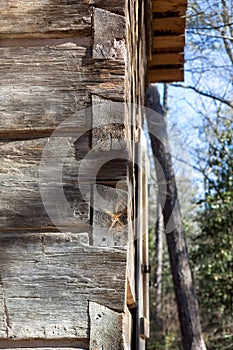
point(5, 311)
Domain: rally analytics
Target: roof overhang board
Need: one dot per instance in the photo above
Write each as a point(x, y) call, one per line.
point(166, 62)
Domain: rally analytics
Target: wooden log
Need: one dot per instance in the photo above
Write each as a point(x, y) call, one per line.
point(39, 89)
point(169, 25)
point(109, 39)
point(165, 75)
point(53, 87)
point(110, 221)
point(115, 6)
point(41, 18)
point(166, 59)
point(105, 328)
point(104, 71)
point(176, 6)
point(21, 206)
point(31, 42)
point(109, 130)
point(110, 90)
point(79, 344)
point(48, 280)
point(64, 178)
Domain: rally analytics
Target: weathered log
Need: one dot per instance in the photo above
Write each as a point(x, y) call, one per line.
point(40, 18)
point(48, 92)
point(110, 221)
point(109, 125)
point(109, 39)
point(42, 344)
point(115, 6)
point(21, 204)
point(47, 280)
point(54, 85)
point(106, 328)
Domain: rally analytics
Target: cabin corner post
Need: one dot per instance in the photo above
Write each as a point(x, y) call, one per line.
point(112, 209)
point(137, 25)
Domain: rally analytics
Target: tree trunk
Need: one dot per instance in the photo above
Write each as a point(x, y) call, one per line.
point(181, 272)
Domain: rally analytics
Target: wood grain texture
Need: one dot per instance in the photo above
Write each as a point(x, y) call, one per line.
point(177, 6)
point(109, 39)
point(109, 125)
point(127, 329)
point(136, 76)
point(47, 281)
point(43, 86)
point(110, 221)
point(165, 75)
point(80, 345)
point(115, 6)
point(21, 205)
point(110, 90)
point(169, 25)
point(105, 328)
point(39, 89)
point(169, 42)
point(42, 18)
point(166, 59)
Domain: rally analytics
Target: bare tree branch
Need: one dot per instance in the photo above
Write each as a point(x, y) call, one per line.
point(206, 94)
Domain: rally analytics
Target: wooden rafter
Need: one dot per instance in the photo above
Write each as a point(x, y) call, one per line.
point(167, 52)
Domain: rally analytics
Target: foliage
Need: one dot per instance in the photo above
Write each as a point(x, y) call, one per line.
point(206, 99)
point(212, 255)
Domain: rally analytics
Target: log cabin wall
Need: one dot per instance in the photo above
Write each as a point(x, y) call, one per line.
point(64, 284)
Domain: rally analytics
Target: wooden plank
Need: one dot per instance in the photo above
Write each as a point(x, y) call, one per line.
point(145, 246)
point(127, 329)
point(104, 71)
point(109, 39)
point(115, 6)
point(21, 205)
point(164, 59)
point(31, 42)
point(106, 328)
point(41, 18)
point(110, 221)
point(169, 25)
point(39, 89)
point(144, 328)
point(165, 75)
point(131, 299)
point(169, 42)
point(177, 6)
point(45, 344)
point(48, 280)
point(97, 167)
